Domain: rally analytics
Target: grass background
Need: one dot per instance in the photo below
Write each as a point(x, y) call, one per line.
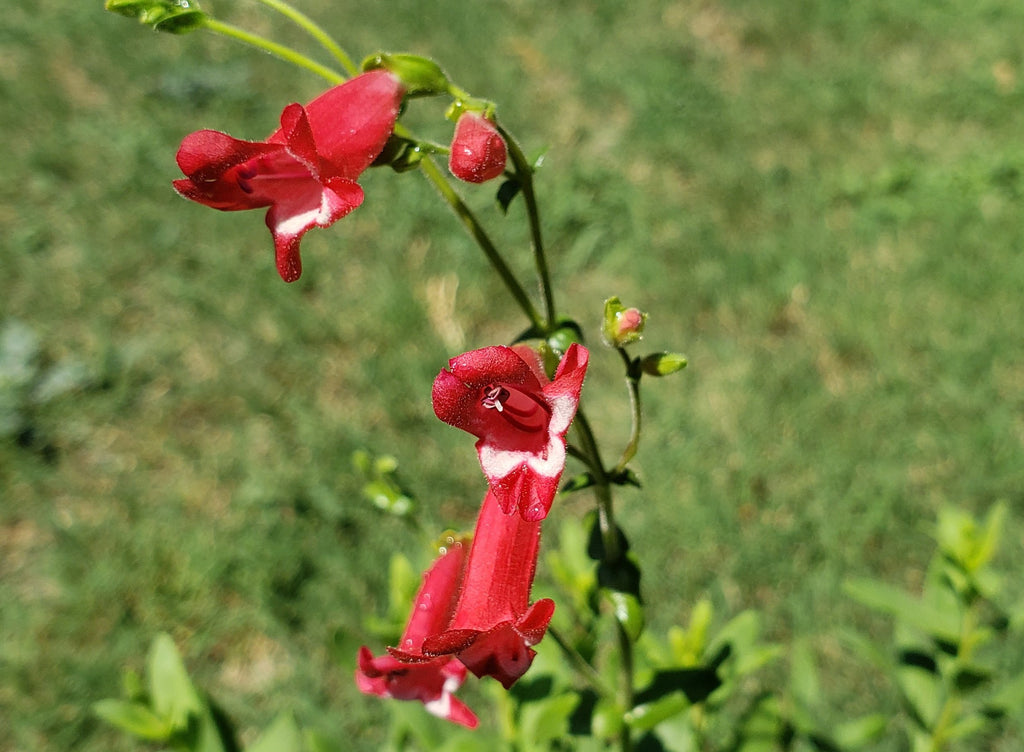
point(819, 202)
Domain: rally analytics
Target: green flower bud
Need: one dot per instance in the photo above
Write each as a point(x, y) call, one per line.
point(421, 76)
point(621, 326)
point(662, 364)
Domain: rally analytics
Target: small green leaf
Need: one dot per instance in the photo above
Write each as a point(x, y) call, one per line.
point(544, 721)
point(507, 192)
point(627, 610)
point(134, 718)
point(646, 716)
point(173, 16)
point(860, 731)
point(170, 689)
point(662, 364)
point(283, 735)
point(919, 614)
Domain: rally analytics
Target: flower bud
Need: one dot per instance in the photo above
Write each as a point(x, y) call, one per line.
point(478, 152)
point(621, 326)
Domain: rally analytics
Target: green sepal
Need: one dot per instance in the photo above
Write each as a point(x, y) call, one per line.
point(400, 154)
point(421, 76)
point(171, 16)
point(662, 364)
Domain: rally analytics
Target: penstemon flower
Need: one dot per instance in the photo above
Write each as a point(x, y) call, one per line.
point(519, 417)
point(415, 676)
point(493, 625)
point(305, 171)
point(478, 151)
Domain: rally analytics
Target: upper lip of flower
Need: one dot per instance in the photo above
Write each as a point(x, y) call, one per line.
point(519, 417)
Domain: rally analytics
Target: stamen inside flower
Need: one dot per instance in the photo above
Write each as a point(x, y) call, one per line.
point(523, 410)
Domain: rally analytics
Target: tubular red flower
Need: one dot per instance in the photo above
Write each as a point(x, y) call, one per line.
point(432, 680)
point(494, 626)
point(478, 151)
point(519, 417)
point(305, 171)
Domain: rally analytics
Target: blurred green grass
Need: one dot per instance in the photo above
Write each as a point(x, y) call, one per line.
point(818, 202)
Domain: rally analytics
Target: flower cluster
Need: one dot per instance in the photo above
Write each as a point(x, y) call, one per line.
point(473, 609)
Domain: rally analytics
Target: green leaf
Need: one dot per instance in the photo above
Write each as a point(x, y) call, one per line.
point(860, 731)
point(695, 683)
point(507, 192)
point(135, 718)
point(170, 690)
point(942, 624)
point(646, 716)
point(662, 364)
point(922, 691)
point(544, 721)
point(283, 735)
point(627, 610)
point(173, 16)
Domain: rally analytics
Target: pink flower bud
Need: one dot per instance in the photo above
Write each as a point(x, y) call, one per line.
point(478, 151)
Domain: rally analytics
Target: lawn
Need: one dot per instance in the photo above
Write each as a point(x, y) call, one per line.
point(818, 202)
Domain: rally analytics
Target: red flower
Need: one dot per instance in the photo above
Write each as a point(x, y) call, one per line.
point(518, 416)
point(431, 680)
point(478, 152)
point(494, 627)
point(305, 171)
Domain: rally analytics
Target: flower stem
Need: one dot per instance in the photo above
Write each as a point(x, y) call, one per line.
point(524, 171)
point(580, 663)
point(278, 50)
point(304, 21)
point(633, 384)
point(473, 226)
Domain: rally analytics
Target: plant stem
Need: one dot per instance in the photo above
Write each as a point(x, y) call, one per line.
point(304, 21)
point(580, 663)
point(633, 384)
point(473, 226)
point(524, 171)
point(613, 553)
point(278, 50)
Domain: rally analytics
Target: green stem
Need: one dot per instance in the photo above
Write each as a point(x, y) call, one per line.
point(633, 384)
point(612, 554)
point(580, 663)
point(305, 22)
point(524, 171)
point(473, 226)
point(278, 50)
point(626, 688)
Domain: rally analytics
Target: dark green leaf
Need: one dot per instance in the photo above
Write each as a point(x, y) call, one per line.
point(507, 191)
point(695, 683)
